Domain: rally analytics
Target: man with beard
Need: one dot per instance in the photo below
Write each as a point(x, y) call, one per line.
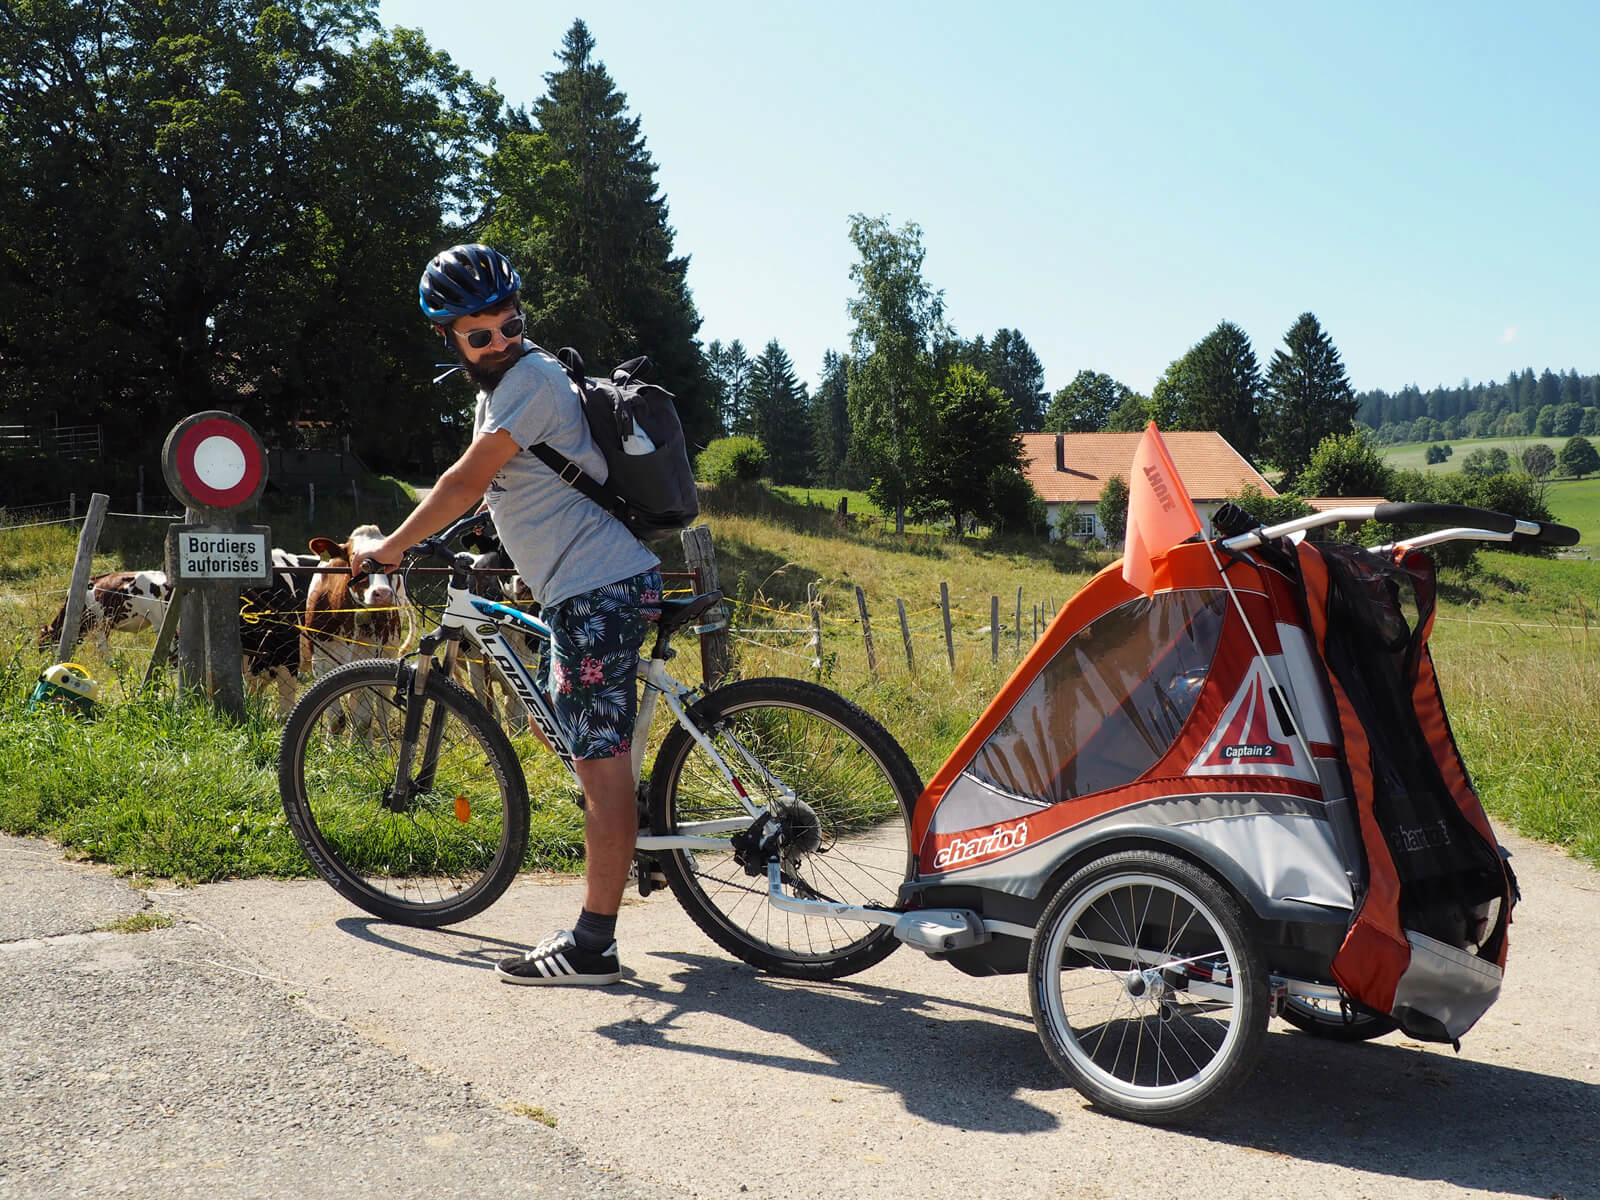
point(599, 587)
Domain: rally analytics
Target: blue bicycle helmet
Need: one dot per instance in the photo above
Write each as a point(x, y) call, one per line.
point(464, 280)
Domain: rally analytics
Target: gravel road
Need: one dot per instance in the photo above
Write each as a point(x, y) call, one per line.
point(275, 1041)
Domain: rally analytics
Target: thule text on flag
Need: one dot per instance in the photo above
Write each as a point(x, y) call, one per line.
point(1160, 513)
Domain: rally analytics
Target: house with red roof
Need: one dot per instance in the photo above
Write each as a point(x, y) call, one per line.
point(1070, 470)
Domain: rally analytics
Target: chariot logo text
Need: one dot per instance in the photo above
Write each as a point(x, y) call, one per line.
point(966, 849)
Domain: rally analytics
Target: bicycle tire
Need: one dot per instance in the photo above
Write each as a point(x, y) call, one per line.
point(1335, 1021)
point(449, 852)
point(848, 838)
point(1147, 990)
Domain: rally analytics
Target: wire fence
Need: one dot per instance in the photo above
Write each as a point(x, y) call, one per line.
point(836, 635)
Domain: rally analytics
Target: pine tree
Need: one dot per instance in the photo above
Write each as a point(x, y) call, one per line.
point(1015, 369)
point(728, 368)
point(830, 425)
point(1220, 388)
point(1307, 397)
point(778, 416)
point(578, 212)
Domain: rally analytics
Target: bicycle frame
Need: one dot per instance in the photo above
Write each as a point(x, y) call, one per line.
point(479, 622)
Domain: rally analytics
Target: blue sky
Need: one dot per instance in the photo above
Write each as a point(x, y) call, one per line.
point(1115, 179)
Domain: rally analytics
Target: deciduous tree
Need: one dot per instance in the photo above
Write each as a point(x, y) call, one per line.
point(972, 435)
point(1539, 460)
point(1578, 457)
point(1087, 404)
point(898, 320)
point(226, 204)
point(1347, 464)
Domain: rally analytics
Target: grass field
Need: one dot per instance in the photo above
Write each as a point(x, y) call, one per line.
point(1574, 502)
point(1413, 455)
point(173, 791)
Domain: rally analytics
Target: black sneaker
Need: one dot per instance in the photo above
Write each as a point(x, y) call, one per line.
point(560, 960)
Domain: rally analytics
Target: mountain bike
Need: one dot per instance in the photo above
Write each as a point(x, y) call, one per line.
point(410, 799)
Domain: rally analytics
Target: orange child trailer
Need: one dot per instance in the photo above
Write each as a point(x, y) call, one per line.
point(1232, 796)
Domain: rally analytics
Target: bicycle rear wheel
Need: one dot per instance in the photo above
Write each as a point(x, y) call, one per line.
point(441, 854)
point(847, 827)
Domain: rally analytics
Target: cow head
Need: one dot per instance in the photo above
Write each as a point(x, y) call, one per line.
point(367, 589)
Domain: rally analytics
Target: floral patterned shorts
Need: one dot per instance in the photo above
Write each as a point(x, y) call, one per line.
point(594, 662)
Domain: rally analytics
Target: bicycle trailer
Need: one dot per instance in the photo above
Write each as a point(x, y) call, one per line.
point(1236, 796)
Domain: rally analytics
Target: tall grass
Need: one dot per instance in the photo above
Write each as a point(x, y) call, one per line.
point(1524, 704)
point(172, 790)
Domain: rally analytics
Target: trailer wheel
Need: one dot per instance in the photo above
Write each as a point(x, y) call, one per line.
point(1148, 993)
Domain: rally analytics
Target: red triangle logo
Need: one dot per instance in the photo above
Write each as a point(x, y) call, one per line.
point(1248, 735)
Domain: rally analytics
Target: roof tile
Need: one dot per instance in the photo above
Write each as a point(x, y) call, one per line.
point(1210, 468)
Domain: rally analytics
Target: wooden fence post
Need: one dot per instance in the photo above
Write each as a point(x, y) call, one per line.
point(994, 629)
point(716, 648)
point(1019, 622)
point(87, 540)
point(814, 606)
point(1036, 622)
point(905, 635)
point(949, 643)
point(866, 632)
point(311, 503)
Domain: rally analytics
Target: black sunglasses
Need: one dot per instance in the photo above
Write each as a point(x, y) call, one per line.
point(479, 338)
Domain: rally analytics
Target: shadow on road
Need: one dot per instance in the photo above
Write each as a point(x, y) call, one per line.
point(1415, 1113)
point(477, 950)
point(1390, 1106)
point(882, 1037)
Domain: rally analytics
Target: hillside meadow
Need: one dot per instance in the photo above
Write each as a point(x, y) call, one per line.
point(168, 790)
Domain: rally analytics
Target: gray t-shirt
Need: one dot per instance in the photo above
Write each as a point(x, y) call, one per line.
point(562, 542)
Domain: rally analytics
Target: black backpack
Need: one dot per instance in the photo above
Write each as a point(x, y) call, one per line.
point(653, 494)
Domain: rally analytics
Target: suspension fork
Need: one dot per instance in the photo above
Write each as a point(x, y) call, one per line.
point(416, 692)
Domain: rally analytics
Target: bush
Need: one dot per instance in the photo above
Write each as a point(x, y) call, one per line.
point(1013, 504)
point(1345, 465)
point(1112, 510)
point(729, 459)
point(1270, 510)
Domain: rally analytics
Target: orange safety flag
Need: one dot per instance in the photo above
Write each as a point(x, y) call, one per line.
point(1160, 513)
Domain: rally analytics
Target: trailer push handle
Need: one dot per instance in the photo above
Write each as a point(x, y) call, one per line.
point(1519, 532)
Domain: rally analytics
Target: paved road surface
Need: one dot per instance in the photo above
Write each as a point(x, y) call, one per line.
point(276, 1041)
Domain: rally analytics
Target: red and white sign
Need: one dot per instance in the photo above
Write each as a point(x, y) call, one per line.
point(214, 460)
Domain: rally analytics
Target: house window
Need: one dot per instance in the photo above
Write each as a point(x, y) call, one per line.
point(1083, 524)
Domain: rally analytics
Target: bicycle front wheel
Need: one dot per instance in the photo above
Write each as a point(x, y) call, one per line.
point(843, 790)
point(437, 849)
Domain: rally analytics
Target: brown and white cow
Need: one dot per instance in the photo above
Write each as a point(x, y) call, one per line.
point(352, 616)
point(118, 602)
point(349, 617)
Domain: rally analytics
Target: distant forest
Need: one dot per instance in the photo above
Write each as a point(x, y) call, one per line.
point(1525, 405)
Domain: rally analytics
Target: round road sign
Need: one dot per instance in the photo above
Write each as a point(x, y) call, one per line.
point(214, 460)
